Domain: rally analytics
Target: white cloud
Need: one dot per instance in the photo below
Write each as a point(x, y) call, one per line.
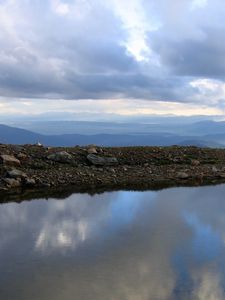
point(60, 8)
point(134, 20)
point(198, 4)
point(209, 91)
point(106, 107)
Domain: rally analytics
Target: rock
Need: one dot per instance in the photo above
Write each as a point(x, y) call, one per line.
point(102, 161)
point(182, 175)
point(14, 173)
point(9, 160)
point(195, 162)
point(214, 169)
point(21, 156)
point(92, 150)
point(30, 182)
point(45, 184)
point(62, 157)
point(39, 165)
point(3, 189)
point(11, 182)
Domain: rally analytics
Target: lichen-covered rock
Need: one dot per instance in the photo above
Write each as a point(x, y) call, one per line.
point(102, 161)
point(9, 160)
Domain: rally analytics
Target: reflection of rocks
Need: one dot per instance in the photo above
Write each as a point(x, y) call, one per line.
point(98, 167)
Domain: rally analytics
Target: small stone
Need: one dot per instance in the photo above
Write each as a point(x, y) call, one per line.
point(195, 162)
point(45, 184)
point(182, 175)
point(11, 182)
point(9, 160)
point(21, 156)
point(214, 169)
point(14, 173)
point(3, 189)
point(30, 182)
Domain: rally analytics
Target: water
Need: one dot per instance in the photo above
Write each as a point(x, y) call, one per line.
point(168, 244)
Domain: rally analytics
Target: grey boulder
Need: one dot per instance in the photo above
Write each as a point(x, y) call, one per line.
point(14, 173)
point(61, 157)
point(102, 161)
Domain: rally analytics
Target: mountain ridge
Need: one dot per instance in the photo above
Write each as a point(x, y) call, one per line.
point(13, 135)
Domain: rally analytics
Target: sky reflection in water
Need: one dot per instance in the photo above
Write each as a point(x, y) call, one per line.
point(121, 245)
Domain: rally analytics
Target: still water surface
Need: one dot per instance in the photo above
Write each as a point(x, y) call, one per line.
point(168, 244)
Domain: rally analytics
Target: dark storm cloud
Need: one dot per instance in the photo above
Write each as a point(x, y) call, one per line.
point(71, 85)
point(191, 57)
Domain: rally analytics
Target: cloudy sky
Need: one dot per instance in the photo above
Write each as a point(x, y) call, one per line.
point(124, 57)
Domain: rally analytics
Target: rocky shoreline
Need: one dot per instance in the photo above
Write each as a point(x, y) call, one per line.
point(39, 168)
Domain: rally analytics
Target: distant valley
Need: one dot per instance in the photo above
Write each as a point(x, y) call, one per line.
point(115, 134)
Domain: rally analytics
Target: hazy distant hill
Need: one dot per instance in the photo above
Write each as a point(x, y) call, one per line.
point(12, 135)
point(174, 126)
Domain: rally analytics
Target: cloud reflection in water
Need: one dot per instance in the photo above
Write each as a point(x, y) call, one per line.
point(120, 245)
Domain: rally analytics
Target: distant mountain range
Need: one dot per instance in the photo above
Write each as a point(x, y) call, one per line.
point(13, 135)
point(174, 126)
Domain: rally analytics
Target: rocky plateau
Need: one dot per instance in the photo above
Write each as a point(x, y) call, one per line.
point(35, 167)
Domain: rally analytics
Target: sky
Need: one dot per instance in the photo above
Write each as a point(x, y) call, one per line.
point(112, 57)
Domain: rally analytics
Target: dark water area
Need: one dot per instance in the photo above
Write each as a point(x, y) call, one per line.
point(167, 244)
